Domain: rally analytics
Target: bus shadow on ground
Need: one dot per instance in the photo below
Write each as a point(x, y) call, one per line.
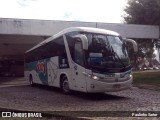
point(97, 96)
point(82, 95)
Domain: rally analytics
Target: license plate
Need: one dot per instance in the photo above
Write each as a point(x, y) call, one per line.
point(116, 86)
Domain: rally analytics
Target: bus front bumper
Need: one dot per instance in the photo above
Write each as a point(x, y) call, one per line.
point(94, 86)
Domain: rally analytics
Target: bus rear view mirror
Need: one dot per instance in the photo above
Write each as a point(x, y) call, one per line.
point(135, 47)
point(84, 40)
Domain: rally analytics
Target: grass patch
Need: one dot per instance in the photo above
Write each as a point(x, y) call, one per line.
point(147, 77)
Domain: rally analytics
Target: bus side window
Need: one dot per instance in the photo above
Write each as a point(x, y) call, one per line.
point(60, 47)
point(53, 48)
point(62, 53)
point(78, 55)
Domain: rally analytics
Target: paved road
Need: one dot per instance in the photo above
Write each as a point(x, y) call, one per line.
point(17, 94)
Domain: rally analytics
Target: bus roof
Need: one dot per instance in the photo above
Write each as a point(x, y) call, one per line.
point(91, 30)
point(71, 29)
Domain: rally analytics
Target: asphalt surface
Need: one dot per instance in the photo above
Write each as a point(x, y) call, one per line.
point(18, 95)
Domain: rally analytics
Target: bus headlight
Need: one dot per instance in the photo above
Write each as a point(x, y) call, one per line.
point(94, 77)
point(130, 76)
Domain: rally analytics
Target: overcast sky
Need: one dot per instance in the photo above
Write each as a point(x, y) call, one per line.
point(109, 11)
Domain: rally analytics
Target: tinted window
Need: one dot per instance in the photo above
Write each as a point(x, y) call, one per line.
point(79, 53)
point(51, 49)
point(71, 42)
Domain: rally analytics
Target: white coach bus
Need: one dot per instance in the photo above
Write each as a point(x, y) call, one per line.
point(81, 59)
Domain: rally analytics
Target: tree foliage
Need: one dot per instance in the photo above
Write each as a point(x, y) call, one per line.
point(146, 49)
point(146, 12)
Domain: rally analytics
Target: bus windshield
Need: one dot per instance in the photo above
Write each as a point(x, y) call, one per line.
point(106, 52)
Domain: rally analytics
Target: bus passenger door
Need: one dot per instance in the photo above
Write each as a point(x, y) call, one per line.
point(80, 80)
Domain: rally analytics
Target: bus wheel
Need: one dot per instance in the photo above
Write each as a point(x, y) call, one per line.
point(31, 80)
point(65, 86)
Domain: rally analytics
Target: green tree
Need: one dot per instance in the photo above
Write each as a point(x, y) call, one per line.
point(146, 12)
point(146, 49)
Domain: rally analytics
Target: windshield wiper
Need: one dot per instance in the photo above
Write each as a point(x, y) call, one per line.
point(114, 53)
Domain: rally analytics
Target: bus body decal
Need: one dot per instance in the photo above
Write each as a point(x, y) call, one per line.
point(41, 69)
point(63, 63)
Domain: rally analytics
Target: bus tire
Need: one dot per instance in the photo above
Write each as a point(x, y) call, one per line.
point(31, 81)
point(65, 85)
